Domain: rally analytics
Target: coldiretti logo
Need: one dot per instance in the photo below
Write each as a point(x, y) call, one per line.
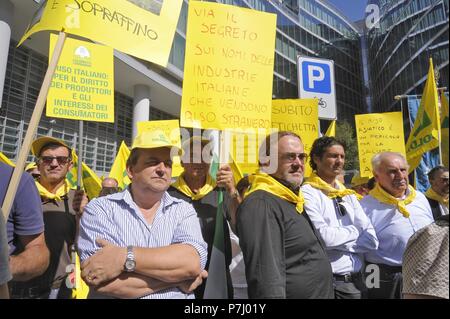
point(423, 124)
point(420, 142)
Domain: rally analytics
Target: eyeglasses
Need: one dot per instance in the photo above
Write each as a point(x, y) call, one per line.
point(291, 157)
point(154, 162)
point(60, 159)
point(339, 206)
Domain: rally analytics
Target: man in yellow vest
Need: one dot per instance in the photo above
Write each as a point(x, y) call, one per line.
point(397, 211)
point(437, 194)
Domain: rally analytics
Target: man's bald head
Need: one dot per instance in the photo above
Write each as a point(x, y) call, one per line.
point(110, 182)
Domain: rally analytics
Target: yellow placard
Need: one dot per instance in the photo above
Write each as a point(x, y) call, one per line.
point(228, 69)
point(82, 87)
point(171, 128)
point(378, 132)
point(300, 116)
point(144, 29)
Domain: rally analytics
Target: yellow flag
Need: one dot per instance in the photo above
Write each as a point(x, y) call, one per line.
point(91, 182)
point(425, 134)
point(145, 30)
point(6, 160)
point(444, 129)
point(81, 289)
point(118, 169)
point(237, 173)
point(331, 132)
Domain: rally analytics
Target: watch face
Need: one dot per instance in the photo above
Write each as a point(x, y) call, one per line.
point(130, 265)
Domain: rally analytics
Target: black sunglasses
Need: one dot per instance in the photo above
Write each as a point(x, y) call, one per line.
point(60, 159)
point(339, 206)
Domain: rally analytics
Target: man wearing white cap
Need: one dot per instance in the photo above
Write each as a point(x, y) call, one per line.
point(142, 242)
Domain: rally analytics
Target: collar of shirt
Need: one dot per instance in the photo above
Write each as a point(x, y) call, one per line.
point(125, 196)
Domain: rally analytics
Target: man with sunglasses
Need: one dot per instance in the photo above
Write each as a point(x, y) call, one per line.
point(339, 218)
point(437, 194)
point(54, 162)
point(142, 242)
point(283, 255)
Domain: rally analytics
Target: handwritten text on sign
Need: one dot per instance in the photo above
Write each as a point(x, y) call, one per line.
point(378, 132)
point(228, 69)
point(300, 116)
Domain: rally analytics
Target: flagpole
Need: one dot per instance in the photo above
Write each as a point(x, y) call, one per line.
point(32, 127)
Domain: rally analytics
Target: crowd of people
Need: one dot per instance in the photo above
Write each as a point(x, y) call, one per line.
point(282, 235)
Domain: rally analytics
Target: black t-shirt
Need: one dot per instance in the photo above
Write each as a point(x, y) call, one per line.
point(206, 209)
point(284, 257)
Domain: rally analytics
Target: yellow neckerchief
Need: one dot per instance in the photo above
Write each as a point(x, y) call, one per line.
point(315, 181)
point(262, 181)
point(384, 197)
point(181, 185)
point(60, 192)
point(430, 193)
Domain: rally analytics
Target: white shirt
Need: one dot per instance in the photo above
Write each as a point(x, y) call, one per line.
point(444, 209)
point(346, 237)
point(393, 229)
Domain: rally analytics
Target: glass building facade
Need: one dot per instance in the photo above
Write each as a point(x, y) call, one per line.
point(407, 34)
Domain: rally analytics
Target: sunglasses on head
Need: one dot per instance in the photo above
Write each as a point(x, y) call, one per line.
point(49, 159)
point(340, 207)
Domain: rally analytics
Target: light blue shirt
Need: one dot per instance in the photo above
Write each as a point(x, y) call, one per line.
point(346, 237)
point(393, 229)
point(117, 219)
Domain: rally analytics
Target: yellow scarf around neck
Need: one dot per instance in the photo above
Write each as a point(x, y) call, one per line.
point(381, 195)
point(315, 181)
point(181, 185)
point(430, 193)
point(262, 181)
point(60, 192)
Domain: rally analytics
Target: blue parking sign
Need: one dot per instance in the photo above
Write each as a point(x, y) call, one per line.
point(316, 77)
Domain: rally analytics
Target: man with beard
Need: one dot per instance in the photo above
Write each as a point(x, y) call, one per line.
point(397, 211)
point(437, 194)
point(283, 255)
point(339, 218)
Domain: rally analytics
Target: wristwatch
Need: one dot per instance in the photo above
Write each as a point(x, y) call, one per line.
point(130, 262)
point(234, 194)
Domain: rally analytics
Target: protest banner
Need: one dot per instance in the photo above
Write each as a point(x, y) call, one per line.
point(300, 116)
point(142, 29)
point(378, 132)
point(83, 84)
point(228, 71)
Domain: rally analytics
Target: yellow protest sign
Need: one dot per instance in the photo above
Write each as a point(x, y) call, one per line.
point(300, 116)
point(82, 87)
point(144, 29)
point(228, 69)
point(378, 132)
point(171, 129)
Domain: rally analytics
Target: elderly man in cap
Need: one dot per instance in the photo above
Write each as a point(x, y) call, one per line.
point(53, 159)
point(142, 242)
point(396, 211)
point(196, 186)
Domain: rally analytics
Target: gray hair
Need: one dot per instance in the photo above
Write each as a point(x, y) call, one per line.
point(377, 159)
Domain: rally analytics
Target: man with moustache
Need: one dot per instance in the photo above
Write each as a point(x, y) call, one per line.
point(284, 257)
point(142, 242)
point(339, 218)
point(397, 211)
point(437, 194)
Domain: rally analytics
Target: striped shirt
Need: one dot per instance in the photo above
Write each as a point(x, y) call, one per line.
point(117, 219)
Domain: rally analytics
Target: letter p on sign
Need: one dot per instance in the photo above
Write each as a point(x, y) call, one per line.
point(318, 77)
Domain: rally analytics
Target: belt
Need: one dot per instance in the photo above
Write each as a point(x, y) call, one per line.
point(389, 269)
point(28, 292)
point(352, 277)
